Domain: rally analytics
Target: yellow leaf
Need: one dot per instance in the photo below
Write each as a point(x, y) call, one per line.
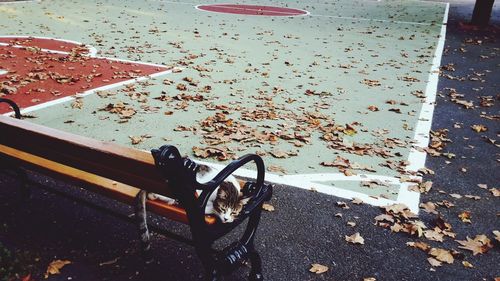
point(318, 268)
point(55, 267)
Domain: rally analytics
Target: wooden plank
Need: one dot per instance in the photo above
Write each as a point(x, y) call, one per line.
point(109, 188)
point(130, 166)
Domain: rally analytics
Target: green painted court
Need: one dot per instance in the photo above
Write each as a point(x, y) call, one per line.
point(337, 98)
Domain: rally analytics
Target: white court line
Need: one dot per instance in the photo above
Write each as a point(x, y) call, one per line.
point(417, 158)
point(2, 72)
point(92, 50)
point(89, 92)
point(375, 20)
point(19, 2)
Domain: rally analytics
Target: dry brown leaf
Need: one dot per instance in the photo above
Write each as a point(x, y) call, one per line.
point(77, 103)
point(479, 128)
point(482, 185)
point(369, 279)
point(276, 168)
point(318, 268)
point(136, 139)
point(351, 223)
point(419, 245)
point(434, 235)
point(384, 217)
point(342, 205)
point(428, 207)
point(495, 191)
point(357, 201)
point(467, 264)
point(355, 239)
point(442, 255)
point(497, 235)
point(479, 245)
point(279, 154)
point(268, 207)
point(434, 262)
point(55, 267)
point(465, 216)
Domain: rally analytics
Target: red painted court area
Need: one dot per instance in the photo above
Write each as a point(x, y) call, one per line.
point(254, 10)
point(45, 43)
point(32, 76)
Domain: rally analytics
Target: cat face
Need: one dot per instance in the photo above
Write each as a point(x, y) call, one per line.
point(229, 202)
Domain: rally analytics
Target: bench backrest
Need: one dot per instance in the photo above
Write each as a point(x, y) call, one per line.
point(122, 164)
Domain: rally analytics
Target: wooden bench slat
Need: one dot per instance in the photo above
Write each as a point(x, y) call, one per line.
point(110, 188)
point(127, 165)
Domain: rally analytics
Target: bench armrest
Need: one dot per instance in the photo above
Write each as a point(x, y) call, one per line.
point(209, 187)
point(14, 106)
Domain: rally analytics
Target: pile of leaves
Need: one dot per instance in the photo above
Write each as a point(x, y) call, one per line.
point(398, 218)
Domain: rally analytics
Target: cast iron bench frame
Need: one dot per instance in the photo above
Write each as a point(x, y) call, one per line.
point(127, 174)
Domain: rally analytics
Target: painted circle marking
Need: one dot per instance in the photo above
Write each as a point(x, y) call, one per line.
point(252, 10)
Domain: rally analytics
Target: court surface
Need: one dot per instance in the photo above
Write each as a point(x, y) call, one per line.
point(337, 96)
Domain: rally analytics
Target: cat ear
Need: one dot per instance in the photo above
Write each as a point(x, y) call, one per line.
point(244, 201)
point(222, 193)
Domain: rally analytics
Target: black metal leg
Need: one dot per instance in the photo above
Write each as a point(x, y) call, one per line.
point(256, 270)
point(142, 225)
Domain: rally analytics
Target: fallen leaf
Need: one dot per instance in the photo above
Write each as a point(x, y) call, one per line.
point(355, 239)
point(419, 245)
point(369, 279)
point(442, 255)
point(268, 207)
point(434, 235)
point(497, 235)
point(479, 128)
point(357, 201)
point(318, 268)
point(467, 264)
point(479, 245)
point(136, 139)
point(342, 205)
point(465, 216)
point(434, 262)
point(55, 267)
point(77, 103)
point(495, 191)
point(428, 207)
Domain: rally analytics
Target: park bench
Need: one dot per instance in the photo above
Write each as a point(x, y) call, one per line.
point(126, 175)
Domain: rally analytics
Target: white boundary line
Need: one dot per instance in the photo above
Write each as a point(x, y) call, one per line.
point(376, 20)
point(89, 92)
point(417, 158)
point(2, 72)
point(19, 2)
point(92, 50)
point(285, 14)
